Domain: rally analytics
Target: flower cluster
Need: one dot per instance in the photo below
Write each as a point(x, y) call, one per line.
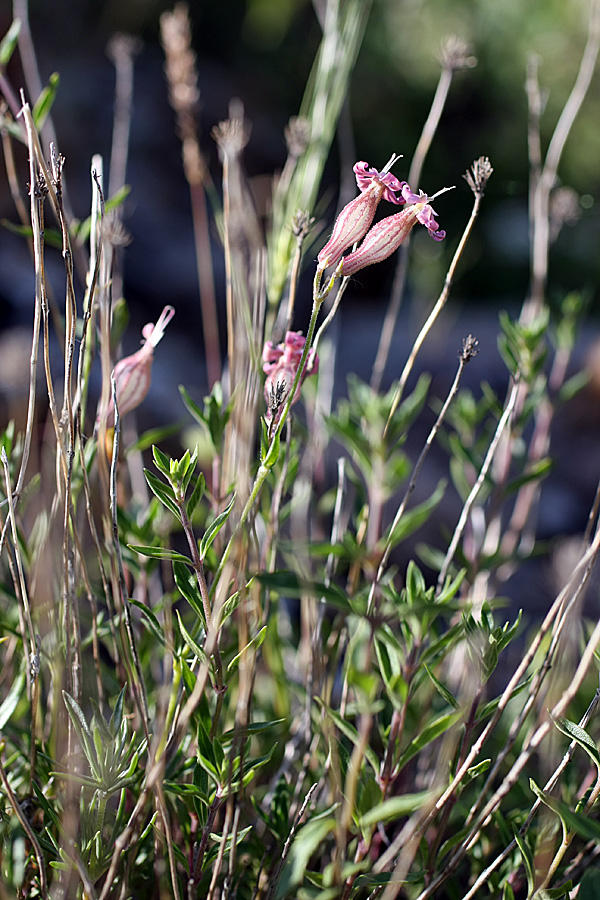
point(384, 238)
point(355, 219)
point(280, 364)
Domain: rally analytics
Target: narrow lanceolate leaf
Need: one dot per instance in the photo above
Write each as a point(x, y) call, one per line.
point(83, 733)
point(194, 646)
point(548, 801)
point(153, 623)
point(558, 893)
point(396, 807)
point(117, 715)
point(9, 704)
point(196, 495)
point(573, 821)
point(351, 733)
point(527, 861)
point(590, 885)
point(163, 491)
point(429, 734)
point(580, 736)
point(253, 645)
point(44, 102)
point(161, 461)
point(442, 689)
point(160, 553)
point(9, 42)
point(187, 585)
point(214, 528)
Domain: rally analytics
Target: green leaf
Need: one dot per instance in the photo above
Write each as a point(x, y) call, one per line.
point(270, 451)
point(214, 528)
point(286, 582)
point(187, 585)
point(416, 517)
point(196, 495)
point(249, 730)
point(9, 42)
point(351, 733)
point(161, 461)
point(100, 723)
point(527, 860)
point(52, 237)
point(442, 689)
point(431, 731)
point(307, 839)
point(160, 553)
point(192, 407)
point(192, 644)
point(589, 888)
point(9, 704)
point(255, 764)
point(153, 623)
point(580, 736)
point(117, 715)
point(573, 821)
point(548, 801)
point(397, 807)
point(557, 893)
point(163, 491)
point(507, 892)
point(253, 645)
point(83, 733)
point(573, 386)
point(478, 769)
point(43, 104)
point(535, 472)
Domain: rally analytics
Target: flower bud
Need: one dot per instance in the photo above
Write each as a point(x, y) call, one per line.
point(133, 373)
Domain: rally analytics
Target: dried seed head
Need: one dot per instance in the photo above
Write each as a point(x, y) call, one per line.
point(180, 65)
point(302, 222)
point(478, 175)
point(184, 95)
point(297, 135)
point(455, 53)
point(470, 348)
point(233, 134)
point(122, 48)
point(564, 209)
point(114, 230)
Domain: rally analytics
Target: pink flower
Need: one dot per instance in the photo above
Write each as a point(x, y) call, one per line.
point(133, 373)
point(280, 365)
point(385, 237)
point(355, 219)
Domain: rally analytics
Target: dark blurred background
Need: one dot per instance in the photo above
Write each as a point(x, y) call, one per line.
point(261, 51)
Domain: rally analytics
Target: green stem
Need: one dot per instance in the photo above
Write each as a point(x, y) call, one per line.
point(201, 578)
point(265, 467)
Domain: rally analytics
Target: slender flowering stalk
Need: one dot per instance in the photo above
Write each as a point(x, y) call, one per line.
point(386, 236)
point(355, 219)
point(320, 292)
point(280, 365)
point(133, 373)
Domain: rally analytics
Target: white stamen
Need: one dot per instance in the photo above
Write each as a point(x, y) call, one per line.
point(393, 159)
point(443, 191)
